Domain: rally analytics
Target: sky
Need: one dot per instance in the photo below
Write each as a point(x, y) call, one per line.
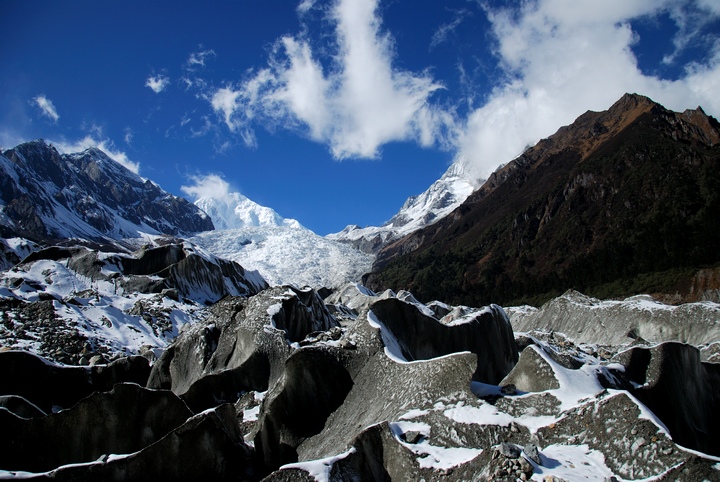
point(333, 112)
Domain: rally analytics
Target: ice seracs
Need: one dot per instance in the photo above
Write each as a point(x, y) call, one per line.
point(281, 249)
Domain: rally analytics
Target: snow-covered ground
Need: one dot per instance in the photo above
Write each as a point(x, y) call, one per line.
point(113, 321)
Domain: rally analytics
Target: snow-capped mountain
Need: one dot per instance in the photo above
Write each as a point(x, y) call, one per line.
point(48, 196)
point(284, 251)
point(280, 249)
point(442, 197)
point(235, 211)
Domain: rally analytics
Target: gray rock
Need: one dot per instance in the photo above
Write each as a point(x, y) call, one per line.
point(421, 337)
point(241, 347)
point(532, 452)
point(633, 446)
point(206, 447)
point(680, 389)
point(48, 385)
point(20, 406)
point(532, 373)
point(314, 385)
point(508, 450)
point(590, 320)
point(122, 421)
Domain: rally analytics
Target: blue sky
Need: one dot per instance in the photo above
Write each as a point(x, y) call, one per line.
point(334, 112)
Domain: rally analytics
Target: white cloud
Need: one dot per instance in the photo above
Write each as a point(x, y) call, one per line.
point(561, 58)
point(46, 107)
point(197, 59)
point(441, 34)
point(105, 145)
point(211, 186)
point(128, 138)
point(357, 103)
point(157, 83)
point(305, 6)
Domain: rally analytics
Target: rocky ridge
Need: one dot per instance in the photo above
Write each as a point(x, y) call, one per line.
point(618, 203)
point(419, 211)
point(283, 386)
point(46, 196)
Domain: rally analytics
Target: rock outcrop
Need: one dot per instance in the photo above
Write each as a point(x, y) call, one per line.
point(241, 347)
point(121, 421)
point(388, 390)
point(50, 386)
point(680, 390)
point(418, 336)
point(611, 322)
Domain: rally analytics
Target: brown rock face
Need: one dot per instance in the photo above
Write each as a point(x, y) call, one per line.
point(619, 202)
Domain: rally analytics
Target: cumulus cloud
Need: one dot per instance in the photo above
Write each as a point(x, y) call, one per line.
point(46, 107)
point(211, 186)
point(157, 83)
point(105, 145)
point(561, 58)
point(354, 100)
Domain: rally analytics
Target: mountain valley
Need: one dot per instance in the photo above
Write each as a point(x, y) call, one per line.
point(557, 322)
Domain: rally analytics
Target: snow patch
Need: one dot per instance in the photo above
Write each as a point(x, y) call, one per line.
point(319, 469)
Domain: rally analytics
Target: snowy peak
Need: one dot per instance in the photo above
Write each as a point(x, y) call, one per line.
point(235, 211)
point(45, 196)
point(441, 198)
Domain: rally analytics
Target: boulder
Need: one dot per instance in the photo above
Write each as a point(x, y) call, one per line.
point(206, 447)
point(122, 421)
point(680, 389)
point(241, 347)
point(418, 336)
point(51, 386)
point(532, 373)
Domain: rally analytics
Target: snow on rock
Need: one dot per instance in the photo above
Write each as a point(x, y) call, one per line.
point(611, 322)
point(71, 304)
point(235, 211)
point(49, 196)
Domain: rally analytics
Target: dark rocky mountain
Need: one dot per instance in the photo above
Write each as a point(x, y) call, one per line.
point(620, 202)
point(48, 196)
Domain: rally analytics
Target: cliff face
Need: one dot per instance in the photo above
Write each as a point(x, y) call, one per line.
point(619, 201)
point(47, 196)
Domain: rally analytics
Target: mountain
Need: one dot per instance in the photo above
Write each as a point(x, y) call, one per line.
point(48, 196)
point(620, 202)
point(436, 202)
point(280, 249)
point(235, 211)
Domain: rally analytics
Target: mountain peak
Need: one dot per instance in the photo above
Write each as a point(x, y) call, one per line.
point(46, 196)
point(234, 211)
point(613, 196)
